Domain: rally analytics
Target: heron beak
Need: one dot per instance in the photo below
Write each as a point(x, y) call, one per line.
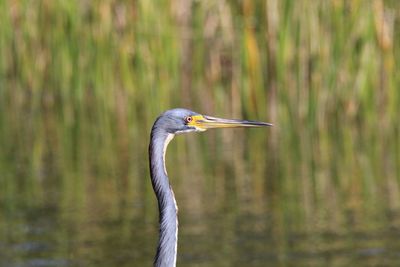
point(208, 122)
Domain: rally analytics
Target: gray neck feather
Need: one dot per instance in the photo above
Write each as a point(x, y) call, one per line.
point(168, 238)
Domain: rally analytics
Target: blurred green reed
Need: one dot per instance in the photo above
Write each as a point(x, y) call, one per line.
point(82, 81)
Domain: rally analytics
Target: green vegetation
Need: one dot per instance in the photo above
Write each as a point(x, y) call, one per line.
point(82, 81)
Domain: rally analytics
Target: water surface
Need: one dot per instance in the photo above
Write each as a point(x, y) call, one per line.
point(232, 211)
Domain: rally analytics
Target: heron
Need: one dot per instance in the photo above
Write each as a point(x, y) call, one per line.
point(167, 125)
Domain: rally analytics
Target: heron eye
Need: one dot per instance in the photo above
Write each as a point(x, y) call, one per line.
point(188, 119)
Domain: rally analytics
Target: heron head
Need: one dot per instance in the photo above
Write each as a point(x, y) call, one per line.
point(176, 121)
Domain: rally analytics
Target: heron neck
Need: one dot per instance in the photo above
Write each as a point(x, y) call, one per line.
point(168, 238)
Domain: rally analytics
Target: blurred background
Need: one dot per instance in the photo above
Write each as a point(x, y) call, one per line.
point(81, 83)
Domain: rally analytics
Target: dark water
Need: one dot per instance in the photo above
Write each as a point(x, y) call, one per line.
point(237, 207)
point(221, 224)
point(43, 237)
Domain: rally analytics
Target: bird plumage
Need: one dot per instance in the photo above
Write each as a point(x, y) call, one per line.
point(171, 122)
